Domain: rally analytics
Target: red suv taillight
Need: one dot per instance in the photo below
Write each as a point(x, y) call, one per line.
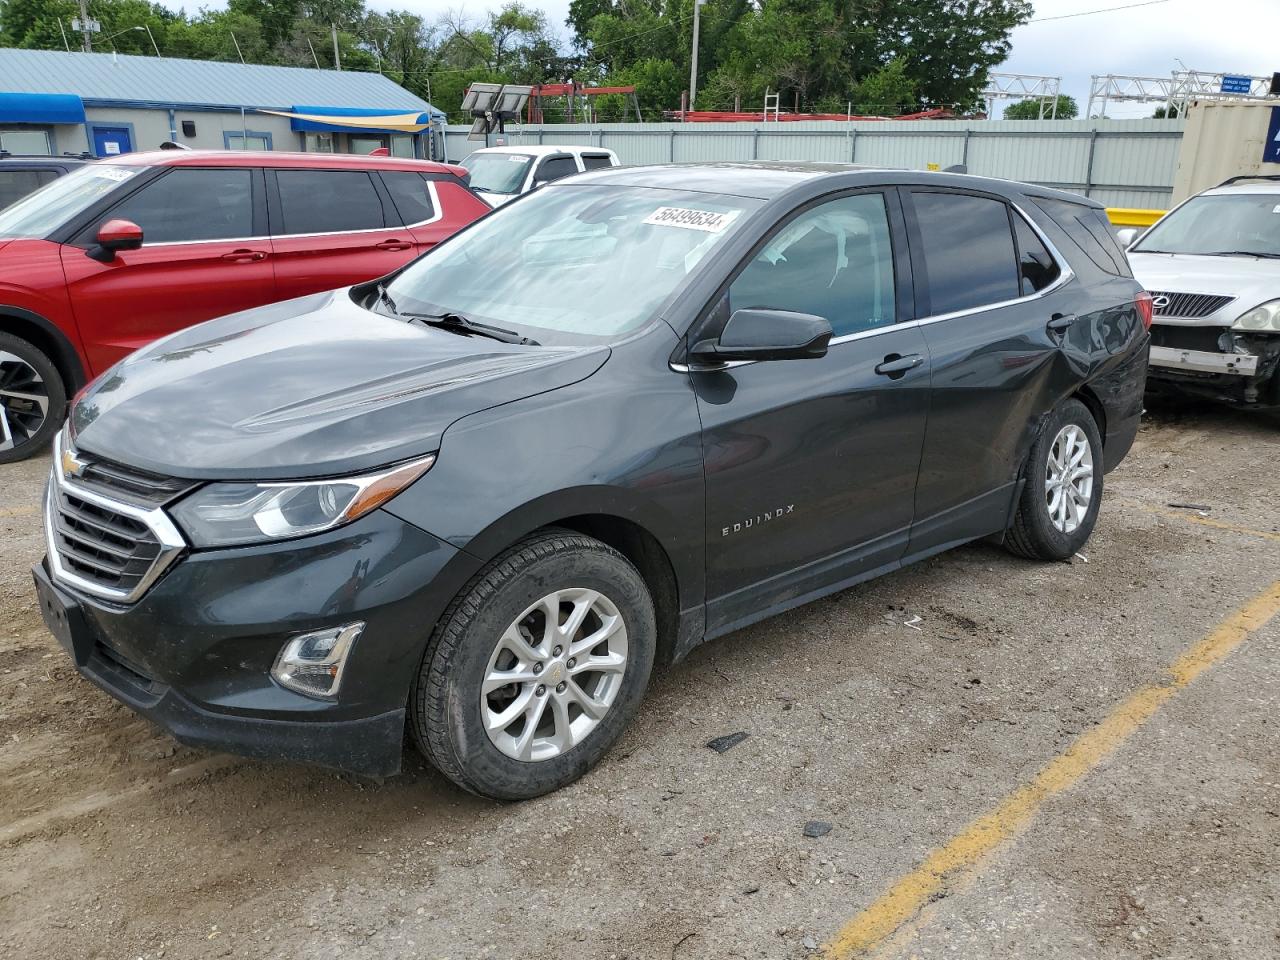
point(1146, 308)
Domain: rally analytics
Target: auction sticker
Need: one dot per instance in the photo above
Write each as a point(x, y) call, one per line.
point(708, 221)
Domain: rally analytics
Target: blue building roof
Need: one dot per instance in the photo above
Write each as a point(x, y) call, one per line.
point(104, 78)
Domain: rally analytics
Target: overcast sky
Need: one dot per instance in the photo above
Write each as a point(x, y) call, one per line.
point(1227, 35)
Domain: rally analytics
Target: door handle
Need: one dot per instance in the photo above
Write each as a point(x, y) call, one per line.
point(1060, 322)
point(895, 365)
point(393, 245)
point(245, 256)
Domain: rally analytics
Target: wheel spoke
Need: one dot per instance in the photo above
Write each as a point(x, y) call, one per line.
point(582, 605)
point(609, 663)
point(593, 708)
point(608, 627)
point(497, 679)
point(562, 737)
point(40, 400)
point(532, 717)
point(495, 722)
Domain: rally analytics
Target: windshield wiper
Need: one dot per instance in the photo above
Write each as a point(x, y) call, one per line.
point(457, 323)
point(1243, 253)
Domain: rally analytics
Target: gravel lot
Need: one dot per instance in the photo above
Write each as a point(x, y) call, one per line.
point(115, 842)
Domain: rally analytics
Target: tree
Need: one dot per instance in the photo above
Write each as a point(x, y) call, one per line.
point(1030, 109)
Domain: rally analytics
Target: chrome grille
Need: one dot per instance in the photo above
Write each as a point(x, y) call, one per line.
point(1187, 306)
point(135, 486)
point(103, 545)
point(107, 547)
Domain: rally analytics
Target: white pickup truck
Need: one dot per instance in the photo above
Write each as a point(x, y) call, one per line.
point(499, 174)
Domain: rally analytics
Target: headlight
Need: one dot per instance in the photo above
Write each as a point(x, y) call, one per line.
point(1264, 318)
point(226, 514)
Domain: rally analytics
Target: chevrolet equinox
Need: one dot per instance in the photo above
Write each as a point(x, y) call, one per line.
point(478, 500)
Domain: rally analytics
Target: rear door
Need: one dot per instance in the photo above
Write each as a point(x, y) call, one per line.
point(416, 200)
point(332, 228)
point(811, 464)
point(205, 254)
point(995, 315)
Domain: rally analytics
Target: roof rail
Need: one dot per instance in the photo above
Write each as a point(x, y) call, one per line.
point(1249, 176)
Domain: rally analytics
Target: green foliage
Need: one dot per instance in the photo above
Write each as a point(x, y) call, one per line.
point(1030, 109)
point(884, 57)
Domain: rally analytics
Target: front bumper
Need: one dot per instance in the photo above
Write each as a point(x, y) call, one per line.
point(1201, 361)
point(194, 653)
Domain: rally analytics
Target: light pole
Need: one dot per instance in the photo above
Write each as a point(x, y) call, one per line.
point(693, 66)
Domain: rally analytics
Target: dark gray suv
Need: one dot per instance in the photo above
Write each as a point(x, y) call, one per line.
point(620, 416)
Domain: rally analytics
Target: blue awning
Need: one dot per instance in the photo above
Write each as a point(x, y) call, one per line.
point(41, 108)
point(388, 119)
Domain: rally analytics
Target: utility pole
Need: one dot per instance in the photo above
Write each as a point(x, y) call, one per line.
point(693, 67)
point(86, 31)
point(337, 61)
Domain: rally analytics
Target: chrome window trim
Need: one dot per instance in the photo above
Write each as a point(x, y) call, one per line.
point(435, 204)
point(1065, 276)
point(171, 540)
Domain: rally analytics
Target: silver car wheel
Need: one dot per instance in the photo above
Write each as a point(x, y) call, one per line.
point(1069, 479)
point(24, 401)
point(554, 674)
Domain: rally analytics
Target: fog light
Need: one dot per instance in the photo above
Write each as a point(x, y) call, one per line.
point(312, 664)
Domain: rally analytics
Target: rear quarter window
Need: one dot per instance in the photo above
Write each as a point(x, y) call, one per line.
point(1089, 230)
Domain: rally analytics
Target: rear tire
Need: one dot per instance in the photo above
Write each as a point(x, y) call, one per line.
point(33, 399)
point(571, 622)
point(1059, 503)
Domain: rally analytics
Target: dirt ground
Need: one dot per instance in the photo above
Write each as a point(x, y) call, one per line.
point(115, 842)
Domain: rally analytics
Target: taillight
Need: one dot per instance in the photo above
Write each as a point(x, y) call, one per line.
point(1146, 308)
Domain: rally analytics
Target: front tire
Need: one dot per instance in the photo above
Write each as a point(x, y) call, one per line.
point(33, 399)
point(1059, 504)
point(535, 668)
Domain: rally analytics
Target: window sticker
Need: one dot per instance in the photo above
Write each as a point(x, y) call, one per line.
point(112, 173)
point(687, 218)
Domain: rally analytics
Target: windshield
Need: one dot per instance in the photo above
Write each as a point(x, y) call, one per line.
point(1237, 224)
point(40, 213)
point(572, 263)
point(497, 172)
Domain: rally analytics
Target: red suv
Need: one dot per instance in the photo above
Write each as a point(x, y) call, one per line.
point(126, 250)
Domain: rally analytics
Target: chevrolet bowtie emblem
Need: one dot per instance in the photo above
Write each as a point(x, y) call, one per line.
point(72, 466)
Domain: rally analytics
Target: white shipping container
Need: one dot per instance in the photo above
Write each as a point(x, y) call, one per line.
point(1224, 138)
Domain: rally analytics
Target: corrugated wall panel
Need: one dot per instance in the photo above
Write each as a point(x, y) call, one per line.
point(1118, 162)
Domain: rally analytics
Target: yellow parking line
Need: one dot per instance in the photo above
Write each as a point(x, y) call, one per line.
point(949, 863)
point(1210, 522)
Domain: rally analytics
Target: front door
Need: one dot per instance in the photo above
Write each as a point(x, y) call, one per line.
point(204, 254)
point(111, 141)
point(330, 229)
point(995, 326)
point(811, 464)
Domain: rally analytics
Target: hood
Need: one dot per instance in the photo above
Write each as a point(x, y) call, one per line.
point(495, 200)
point(1250, 281)
point(311, 387)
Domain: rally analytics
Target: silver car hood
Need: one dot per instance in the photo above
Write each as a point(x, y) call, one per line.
point(1250, 281)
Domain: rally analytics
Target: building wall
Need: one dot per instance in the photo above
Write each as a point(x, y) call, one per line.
point(1121, 163)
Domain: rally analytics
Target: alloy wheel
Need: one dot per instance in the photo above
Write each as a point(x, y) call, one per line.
point(24, 401)
point(1069, 478)
point(554, 674)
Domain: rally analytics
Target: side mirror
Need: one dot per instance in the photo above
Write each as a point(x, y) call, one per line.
point(114, 236)
point(1126, 236)
point(767, 335)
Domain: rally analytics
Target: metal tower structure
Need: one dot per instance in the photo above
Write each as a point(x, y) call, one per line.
point(1023, 86)
point(1176, 90)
